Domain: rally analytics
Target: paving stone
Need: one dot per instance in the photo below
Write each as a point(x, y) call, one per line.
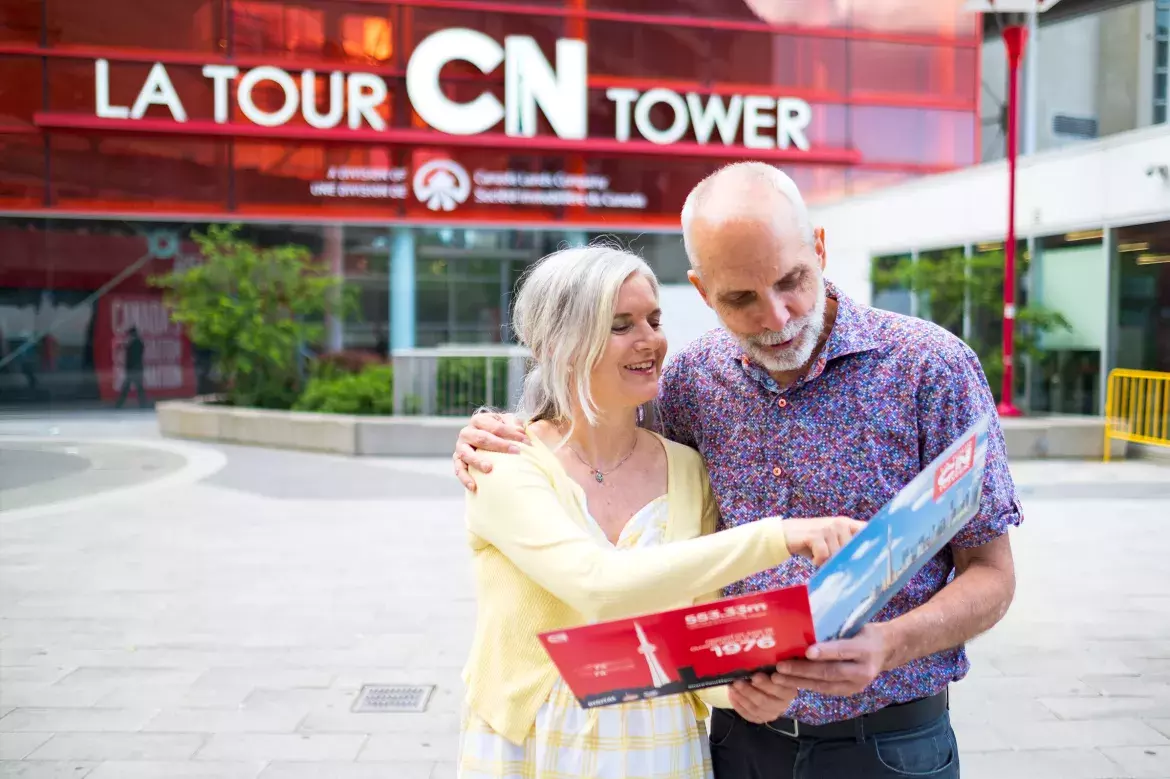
point(321, 747)
point(335, 770)
point(1137, 685)
point(79, 720)
point(411, 746)
point(444, 771)
point(119, 746)
point(268, 678)
point(1103, 707)
point(36, 695)
point(223, 721)
point(1160, 725)
point(1081, 733)
point(151, 769)
point(1141, 762)
point(45, 769)
point(14, 746)
point(33, 674)
point(1031, 764)
point(979, 737)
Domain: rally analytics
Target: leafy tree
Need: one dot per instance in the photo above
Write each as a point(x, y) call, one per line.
point(945, 281)
point(254, 308)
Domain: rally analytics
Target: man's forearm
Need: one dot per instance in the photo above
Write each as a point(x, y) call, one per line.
point(975, 600)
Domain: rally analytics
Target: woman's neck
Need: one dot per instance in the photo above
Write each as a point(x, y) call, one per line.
point(607, 442)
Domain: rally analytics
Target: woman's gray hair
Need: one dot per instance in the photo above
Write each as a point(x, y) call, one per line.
point(564, 315)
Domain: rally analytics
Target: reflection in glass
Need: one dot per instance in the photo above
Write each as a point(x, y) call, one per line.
point(1143, 306)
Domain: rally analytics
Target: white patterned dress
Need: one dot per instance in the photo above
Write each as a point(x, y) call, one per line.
point(653, 739)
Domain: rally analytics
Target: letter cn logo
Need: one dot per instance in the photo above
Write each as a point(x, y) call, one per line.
point(954, 468)
point(442, 185)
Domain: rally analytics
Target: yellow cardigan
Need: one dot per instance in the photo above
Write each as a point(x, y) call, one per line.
point(537, 568)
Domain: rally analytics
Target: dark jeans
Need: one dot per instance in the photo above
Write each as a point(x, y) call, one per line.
point(132, 380)
point(742, 750)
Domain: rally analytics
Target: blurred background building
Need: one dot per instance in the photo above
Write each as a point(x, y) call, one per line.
point(409, 155)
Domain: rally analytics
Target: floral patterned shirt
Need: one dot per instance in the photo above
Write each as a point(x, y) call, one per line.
point(886, 396)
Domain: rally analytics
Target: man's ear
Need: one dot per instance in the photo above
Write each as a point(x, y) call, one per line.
point(822, 254)
point(697, 283)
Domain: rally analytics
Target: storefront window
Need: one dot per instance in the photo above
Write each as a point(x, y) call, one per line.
point(1143, 301)
point(890, 278)
point(61, 341)
point(1069, 278)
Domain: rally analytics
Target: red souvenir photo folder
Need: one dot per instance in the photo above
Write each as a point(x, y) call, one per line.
point(670, 652)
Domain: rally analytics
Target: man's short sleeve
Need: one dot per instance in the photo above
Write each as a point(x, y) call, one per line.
point(675, 408)
point(953, 393)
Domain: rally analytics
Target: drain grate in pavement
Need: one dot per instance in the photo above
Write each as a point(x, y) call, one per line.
point(393, 697)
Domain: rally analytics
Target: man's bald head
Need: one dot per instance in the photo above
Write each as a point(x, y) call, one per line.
point(748, 196)
point(757, 262)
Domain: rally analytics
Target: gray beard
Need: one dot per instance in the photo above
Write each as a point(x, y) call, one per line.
point(806, 332)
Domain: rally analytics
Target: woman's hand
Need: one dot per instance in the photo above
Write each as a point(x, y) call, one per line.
point(490, 432)
point(819, 538)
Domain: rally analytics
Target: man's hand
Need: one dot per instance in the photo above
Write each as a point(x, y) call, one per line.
point(762, 700)
point(491, 432)
point(844, 667)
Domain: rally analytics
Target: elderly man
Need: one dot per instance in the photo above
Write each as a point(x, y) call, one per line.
point(806, 403)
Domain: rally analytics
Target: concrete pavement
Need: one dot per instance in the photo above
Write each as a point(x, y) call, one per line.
point(181, 610)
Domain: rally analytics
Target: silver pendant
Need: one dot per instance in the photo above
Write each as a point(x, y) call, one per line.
point(599, 476)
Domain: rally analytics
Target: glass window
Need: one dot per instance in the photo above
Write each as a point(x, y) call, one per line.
point(358, 33)
point(942, 291)
point(22, 171)
point(20, 21)
point(71, 346)
point(181, 25)
point(914, 135)
point(20, 94)
point(1161, 46)
point(356, 179)
point(111, 172)
point(893, 69)
point(1070, 278)
point(1142, 317)
point(891, 279)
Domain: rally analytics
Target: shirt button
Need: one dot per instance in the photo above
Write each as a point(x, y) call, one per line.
point(782, 403)
point(777, 471)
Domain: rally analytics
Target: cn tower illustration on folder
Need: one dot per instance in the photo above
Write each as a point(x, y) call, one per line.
point(649, 651)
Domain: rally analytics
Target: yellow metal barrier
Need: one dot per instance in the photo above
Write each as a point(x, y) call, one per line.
point(1137, 408)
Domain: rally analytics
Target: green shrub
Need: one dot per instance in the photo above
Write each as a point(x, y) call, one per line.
point(344, 362)
point(369, 392)
point(253, 308)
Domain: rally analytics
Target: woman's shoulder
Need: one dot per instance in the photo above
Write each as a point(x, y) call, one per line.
point(684, 460)
point(530, 461)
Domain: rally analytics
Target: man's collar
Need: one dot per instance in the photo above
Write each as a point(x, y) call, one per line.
point(854, 330)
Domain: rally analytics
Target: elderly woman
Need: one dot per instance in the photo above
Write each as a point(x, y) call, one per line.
point(596, 518)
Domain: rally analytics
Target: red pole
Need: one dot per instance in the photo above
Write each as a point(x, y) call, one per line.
point(1014, 38)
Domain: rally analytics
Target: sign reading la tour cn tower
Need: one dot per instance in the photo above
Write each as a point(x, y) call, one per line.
point(530, 82)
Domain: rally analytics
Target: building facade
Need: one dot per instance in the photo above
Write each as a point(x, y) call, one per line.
point(1093, 228)
point(428, 150)
point(1092, 68)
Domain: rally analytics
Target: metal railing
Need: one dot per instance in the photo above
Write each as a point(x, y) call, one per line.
point(454, 381)
point(1137, 408)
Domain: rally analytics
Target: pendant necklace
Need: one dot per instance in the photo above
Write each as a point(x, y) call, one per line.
point(598, 475)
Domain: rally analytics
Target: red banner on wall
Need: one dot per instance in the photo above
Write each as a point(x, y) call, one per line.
point(168, 366)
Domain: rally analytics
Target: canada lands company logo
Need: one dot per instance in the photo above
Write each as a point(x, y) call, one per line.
point(442, 184)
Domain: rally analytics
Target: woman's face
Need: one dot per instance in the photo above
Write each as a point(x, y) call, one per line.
point(627, 374)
